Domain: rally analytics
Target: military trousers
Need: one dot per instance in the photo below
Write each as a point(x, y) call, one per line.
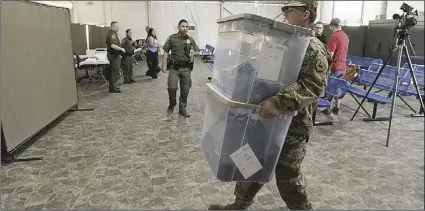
point(182, 75)
point(114, 69)
point(290, 181)
point(127, 67)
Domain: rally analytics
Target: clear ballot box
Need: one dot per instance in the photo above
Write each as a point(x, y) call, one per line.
point(254, 58)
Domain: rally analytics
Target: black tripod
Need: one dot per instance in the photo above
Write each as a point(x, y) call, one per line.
point(400, 47)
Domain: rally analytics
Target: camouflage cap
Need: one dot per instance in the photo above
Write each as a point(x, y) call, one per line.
point(309, 4)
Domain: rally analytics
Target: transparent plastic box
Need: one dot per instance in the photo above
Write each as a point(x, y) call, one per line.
point(254, 58)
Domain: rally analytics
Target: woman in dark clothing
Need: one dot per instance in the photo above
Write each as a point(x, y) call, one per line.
point(152, 53)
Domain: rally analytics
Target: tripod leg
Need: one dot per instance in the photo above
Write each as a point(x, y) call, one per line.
point(412, 73)
point(407, 104)
point(374, 81)
point(395, 87)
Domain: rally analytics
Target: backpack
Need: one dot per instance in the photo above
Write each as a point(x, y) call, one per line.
point(351, 73)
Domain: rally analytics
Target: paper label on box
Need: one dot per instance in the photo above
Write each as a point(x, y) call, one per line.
point(246, 161)
point(271, 61)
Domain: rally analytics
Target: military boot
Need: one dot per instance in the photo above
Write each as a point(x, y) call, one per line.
point(184, 113)
point(237, 205)
point(170, 109)
point(172, 95)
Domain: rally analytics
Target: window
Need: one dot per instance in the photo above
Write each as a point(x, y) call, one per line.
point(349, 11)
point(372, 9)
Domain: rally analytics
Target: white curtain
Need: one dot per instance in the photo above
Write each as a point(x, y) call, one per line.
point(164, 17)
point(130, 15)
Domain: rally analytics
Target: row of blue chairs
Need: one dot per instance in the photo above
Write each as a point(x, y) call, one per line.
point(385, 82)
point(362, 62)
point(336, 88)
point(207, 54)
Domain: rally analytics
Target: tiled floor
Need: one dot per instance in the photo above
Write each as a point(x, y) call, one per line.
point(128, 154)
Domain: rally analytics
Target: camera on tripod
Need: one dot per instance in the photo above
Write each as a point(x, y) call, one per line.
point(407, 19)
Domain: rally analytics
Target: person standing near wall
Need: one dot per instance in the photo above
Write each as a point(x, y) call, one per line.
point(147, 29)
point(114, 56)
point(338, 48)
point(318, 29)
point(301, 96)
point(152, 54)
point(127, 58)
point(183, 47)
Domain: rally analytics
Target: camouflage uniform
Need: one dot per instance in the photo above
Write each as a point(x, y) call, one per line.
point(302, 97)
point(180, 69)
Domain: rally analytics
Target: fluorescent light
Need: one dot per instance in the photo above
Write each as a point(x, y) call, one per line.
point(87, 36)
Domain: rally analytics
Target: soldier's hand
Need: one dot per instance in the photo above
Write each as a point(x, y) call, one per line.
point(164, 70)
point(268, 110)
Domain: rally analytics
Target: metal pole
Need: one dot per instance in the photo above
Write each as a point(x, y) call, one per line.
point(149, 13)
point(362, 13)
point(221, 9)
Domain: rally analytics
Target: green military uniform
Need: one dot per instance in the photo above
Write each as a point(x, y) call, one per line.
point(114, 58)
point(180, 69)
point(302, 97)
point(127, 61)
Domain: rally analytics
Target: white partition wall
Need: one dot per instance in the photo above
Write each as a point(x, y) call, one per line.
point(37, 81)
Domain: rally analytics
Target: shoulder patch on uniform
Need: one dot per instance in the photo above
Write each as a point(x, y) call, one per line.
point(320, 65)
point(113, 36)
point(187, 41)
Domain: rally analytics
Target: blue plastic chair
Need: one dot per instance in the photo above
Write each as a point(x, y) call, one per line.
point(348, 62)
point(337, 88)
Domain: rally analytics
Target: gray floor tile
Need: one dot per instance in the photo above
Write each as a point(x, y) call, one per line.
point(128, 154)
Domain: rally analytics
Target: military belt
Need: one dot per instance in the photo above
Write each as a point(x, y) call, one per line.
point(179, 65)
